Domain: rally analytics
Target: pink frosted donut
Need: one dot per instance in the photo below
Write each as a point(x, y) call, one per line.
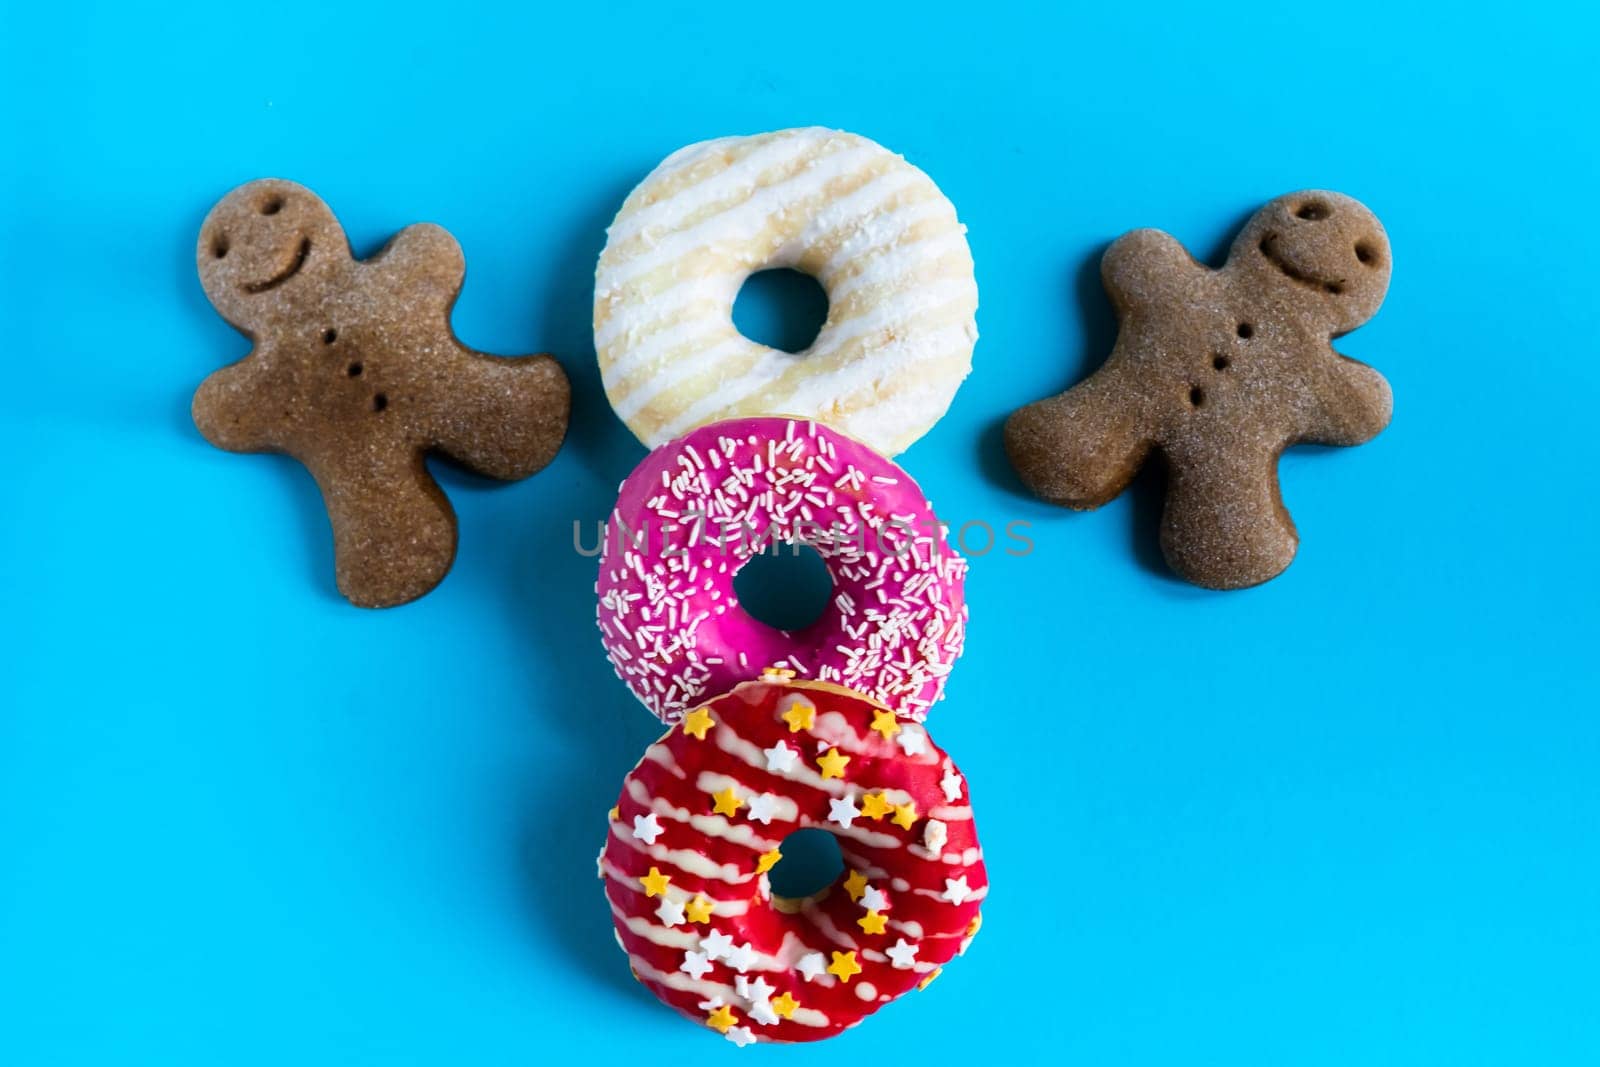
point(698, 508)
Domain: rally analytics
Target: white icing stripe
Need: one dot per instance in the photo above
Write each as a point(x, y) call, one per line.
point(711, 825)
point(901, 271)
point(686, 860)
point(863, 241)
point(726, 908)
point(833, 223)
point(754, 170)
point(898, 313)
point(746, 217)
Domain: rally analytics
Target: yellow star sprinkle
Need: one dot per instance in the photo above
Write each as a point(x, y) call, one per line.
point(785, 1005)
point(721, 1019)
point(975, 925)
point(855, 885)
point(698, 910)
point(768, 861)
point(833, 764)
point(875, 806)
point(883, 722)
point(800, 716)
point(928, 981)
point(727, 802)
point(844, 966)
point(872, 922)
point(777, 674)
point(905, 815)
point(696, 723)
point(613, 813)
point(655, 883)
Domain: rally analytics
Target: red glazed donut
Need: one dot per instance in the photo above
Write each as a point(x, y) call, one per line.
point(698, 508)
point(700, 822)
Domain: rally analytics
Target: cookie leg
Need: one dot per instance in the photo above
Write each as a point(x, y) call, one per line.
point(1079, 449)
point(1354, 403)
point(1225, 526)
point(394, 534)
point(507, 417)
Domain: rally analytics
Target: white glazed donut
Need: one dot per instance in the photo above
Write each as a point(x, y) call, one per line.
point(872, 229)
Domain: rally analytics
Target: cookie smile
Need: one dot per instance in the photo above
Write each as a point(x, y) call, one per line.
point(288, 272)
point(1269, 249)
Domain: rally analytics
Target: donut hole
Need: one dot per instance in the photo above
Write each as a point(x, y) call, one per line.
point(811, 863)
point(781, 308)
point(785, 586)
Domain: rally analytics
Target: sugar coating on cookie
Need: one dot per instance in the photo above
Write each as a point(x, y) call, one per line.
point(356, 373)
point(1218, 371)
point(875, 231)
point(701, 820)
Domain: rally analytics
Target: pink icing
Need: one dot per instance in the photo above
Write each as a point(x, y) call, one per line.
point(699, 507)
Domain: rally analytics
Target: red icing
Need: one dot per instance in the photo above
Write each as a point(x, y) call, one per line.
point(669, 781)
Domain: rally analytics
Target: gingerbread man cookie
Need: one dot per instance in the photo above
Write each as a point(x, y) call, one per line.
point(1219, 371)
point(356, 373)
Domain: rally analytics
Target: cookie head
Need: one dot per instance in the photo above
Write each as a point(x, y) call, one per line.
point(262, 243)
point(1323, 250)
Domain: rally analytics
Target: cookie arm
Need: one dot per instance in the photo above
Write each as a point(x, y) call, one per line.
point(1145, 268)
point(1080, 448)
point(231, 411)
point(1353, 403)
point(506, 417)
point(1224, 525)
point(423, 263)
point(394, 533)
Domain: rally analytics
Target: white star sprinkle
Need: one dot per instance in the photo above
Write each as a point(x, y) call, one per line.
point(913, 740)
point(843, 811)
point(811, 965)
point(872, 899)
point(781, 759)
point(757, 989)
point(956, 890)
point(695, 964)
point(740, 1036)
point(761, 1011)
point(902, 955)
point(670, 912)
point(742, 958)
point(951, 784)
point(716, 944)
point(646, 828)
point(711, 1005)
point(763, 808)
point(934, 835)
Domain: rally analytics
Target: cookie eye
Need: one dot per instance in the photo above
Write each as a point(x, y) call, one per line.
point(1313, 211)
point(380, 402)
point(272, 205)
point(219, 245)
point(1219, 362)
point(329, 336)
point(1246, 331)
point(1197, 396)
point(1366, 254)
point(354, 370)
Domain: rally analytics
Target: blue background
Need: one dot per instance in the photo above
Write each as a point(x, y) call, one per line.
point(1348, 817)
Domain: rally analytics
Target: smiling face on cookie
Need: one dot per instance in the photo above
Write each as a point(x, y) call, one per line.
point(261, 244)
point(1321, 248)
